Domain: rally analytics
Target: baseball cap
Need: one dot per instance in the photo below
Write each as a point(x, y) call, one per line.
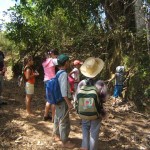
point(62, 58)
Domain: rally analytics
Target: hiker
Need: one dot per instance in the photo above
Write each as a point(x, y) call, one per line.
point(2, 73)
point(75, 76)
point(119, 77)
point(91, 122)
point(61, 119)
point(29, 75)
point(49, 66)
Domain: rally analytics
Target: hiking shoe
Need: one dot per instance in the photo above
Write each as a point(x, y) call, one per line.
point(46, 118)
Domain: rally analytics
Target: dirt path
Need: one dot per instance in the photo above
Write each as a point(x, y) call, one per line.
point(122, 130)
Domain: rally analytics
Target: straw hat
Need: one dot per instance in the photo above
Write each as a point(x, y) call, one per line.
point(92, 67)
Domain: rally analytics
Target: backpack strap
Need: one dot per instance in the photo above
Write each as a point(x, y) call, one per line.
point(27, 68)
point(89, 82)
point(58, 73)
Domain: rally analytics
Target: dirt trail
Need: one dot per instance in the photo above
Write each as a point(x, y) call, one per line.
point(122, 130)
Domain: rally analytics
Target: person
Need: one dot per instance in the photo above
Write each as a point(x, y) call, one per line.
point(2, 73)
point(61, 119)
point(49, 66)
point(91, 128)
point(75, 75)
point(29, 75)
point(119, 77)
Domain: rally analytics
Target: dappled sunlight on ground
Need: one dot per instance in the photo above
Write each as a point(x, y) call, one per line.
point(122, 129)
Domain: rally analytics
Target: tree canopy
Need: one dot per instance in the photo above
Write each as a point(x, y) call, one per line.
point(105, 28)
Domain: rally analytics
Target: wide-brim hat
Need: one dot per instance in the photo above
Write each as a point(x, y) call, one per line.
point(92, 67)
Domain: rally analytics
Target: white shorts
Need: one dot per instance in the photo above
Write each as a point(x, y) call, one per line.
point(29, 88)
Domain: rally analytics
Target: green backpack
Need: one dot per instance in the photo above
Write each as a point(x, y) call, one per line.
point(88, 103)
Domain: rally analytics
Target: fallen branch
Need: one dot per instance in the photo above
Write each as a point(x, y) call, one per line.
point(2, 134)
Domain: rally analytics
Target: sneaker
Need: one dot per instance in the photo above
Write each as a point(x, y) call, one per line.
point(46, 118)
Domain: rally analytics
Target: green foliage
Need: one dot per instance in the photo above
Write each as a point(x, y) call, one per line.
point(105, 29)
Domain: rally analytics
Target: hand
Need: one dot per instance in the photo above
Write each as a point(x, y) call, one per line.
point(70, 106)
point(107, 82)
point(36, 73)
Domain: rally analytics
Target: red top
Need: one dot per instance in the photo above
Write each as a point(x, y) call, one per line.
point(31, 80)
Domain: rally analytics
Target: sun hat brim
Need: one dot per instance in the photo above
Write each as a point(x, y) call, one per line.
point(95, 70)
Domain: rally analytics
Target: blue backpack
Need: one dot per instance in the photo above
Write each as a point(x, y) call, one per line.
point(53, 92)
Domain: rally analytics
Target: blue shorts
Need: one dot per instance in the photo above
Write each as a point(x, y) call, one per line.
point(117, 91)
point(47, 100)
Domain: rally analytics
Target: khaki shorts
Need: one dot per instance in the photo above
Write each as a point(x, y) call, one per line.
point(29, 88)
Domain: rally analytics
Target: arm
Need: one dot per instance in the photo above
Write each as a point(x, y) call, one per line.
point(29, 74)
point(112, 77)
point(72, 72)
point(63, 82)
point(70, 106)
point(55, 62)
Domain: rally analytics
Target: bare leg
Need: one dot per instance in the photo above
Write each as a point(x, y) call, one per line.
point(28, 103)
point(114, 101)
point(53, 112)
point(47, 108)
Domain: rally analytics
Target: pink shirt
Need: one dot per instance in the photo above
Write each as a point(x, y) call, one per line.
point(49, 68)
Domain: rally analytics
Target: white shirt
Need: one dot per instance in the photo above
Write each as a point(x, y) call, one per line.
point(76, 74)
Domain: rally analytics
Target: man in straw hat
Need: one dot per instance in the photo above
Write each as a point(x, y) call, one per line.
point(91, 128)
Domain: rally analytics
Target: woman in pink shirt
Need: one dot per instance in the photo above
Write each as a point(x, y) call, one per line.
point(49, 66)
